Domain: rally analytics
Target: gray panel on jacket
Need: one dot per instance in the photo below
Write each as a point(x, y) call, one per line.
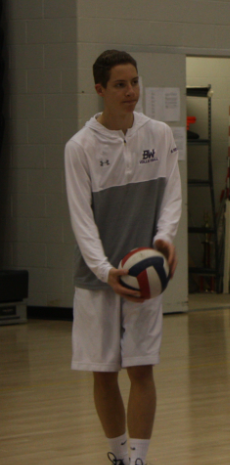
point(122, 215)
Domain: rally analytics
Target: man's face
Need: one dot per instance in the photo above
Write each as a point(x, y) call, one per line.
point(122, 91)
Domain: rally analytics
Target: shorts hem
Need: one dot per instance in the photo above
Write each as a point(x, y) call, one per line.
point(141, 361)
point(95, 367)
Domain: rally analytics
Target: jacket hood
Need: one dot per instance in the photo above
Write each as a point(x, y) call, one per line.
point(139, 120)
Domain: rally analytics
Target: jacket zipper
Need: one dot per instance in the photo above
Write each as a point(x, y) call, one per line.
point(128, 158)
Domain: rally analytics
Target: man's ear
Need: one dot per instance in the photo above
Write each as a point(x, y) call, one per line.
point(99, 89)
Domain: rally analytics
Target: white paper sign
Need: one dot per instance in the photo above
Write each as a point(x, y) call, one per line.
point(151, 102)
point(163, 103)
point(172, 104)
point(179, 135)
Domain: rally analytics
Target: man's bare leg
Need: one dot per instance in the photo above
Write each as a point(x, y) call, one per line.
point(110, 409)
point(141, 411)
point(142, 402)
point(109, 403)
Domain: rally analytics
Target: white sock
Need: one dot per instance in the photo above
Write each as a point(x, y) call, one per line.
point(139, 449)
point(119, 447)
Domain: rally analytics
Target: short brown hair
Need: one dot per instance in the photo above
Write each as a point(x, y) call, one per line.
point(106, 61)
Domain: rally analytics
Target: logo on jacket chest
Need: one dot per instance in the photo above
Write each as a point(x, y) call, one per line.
point(148, 156)
point(104, 163)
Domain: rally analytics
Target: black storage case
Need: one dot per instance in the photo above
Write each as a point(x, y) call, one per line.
point(13, 285)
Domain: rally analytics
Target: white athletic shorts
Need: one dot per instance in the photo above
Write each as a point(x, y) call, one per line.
point(110, 333)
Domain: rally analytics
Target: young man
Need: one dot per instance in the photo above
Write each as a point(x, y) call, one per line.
point(123, 188)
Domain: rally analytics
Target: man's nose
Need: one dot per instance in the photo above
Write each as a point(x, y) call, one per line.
point(130, 90)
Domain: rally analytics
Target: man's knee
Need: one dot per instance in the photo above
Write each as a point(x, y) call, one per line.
point(105, 380)
point(140, 374)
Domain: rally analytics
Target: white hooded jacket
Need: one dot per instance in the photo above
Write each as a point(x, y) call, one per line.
point(123, 192)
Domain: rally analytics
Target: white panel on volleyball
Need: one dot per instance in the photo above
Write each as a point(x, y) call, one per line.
point(154, 281)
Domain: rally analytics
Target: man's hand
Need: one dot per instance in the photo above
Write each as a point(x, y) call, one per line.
point(114, 282)
point(169, 252)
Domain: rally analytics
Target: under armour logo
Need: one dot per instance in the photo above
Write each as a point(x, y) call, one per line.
point(106, 162)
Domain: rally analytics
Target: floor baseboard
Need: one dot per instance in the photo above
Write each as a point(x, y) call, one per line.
point(50, 313)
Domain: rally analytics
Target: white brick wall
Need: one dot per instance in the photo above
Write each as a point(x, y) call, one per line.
point(41, 109)
point(51, 47)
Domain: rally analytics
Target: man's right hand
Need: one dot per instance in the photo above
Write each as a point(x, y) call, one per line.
point(114, 282)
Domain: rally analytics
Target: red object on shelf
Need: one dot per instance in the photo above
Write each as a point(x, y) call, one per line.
point(190, 120)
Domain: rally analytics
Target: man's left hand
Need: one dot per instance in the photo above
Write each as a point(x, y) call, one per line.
point(169, 252)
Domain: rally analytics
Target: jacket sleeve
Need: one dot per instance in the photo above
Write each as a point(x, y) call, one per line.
point(78, 185)
point(170, 210)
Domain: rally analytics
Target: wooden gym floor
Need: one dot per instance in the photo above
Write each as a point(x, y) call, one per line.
point(47, 415)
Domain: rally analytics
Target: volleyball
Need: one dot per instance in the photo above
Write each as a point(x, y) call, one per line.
point(148, 271)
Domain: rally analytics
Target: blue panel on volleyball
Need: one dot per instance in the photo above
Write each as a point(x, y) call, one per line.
point(155, 262)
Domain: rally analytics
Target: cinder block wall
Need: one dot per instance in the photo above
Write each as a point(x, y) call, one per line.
point(51, 47)
point(41, 114)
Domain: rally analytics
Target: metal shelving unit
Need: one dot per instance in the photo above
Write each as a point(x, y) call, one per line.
point(214, 271)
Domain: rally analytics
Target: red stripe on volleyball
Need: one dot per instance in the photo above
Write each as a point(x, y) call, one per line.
point(132, 253)
point(143, 281)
